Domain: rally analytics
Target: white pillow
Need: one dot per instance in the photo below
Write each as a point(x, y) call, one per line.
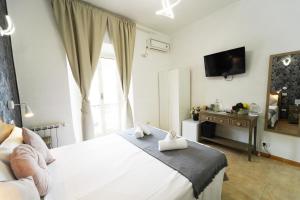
point(8, 145)
point(23, 189)
point(5, 172)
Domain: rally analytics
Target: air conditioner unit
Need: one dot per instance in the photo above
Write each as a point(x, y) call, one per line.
point(158, 45)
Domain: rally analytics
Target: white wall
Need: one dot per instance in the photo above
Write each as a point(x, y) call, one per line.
point(264, 27)
point(41, 65)
point(145, 78)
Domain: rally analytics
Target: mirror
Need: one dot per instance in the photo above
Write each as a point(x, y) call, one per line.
point(283, 96)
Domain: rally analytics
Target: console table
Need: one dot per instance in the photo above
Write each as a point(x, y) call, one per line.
point(243, 121)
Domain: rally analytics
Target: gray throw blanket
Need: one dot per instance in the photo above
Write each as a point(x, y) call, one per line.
point(198, 163)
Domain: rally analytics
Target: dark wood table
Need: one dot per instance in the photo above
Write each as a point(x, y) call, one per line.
point(235, 120)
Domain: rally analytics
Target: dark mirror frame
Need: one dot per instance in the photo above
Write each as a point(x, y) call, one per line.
point(268, 95)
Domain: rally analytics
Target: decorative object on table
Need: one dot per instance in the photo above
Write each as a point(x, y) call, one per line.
point(241, 109)
point(243, 112)
point(217, 106)
point(254, 109)
point(211, 107)
point(195, 113)
point(227, 110)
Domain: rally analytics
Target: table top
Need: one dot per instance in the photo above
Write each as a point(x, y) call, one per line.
point(236, 116)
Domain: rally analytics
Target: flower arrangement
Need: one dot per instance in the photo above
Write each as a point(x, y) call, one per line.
point(241, 108)
point(195, 112)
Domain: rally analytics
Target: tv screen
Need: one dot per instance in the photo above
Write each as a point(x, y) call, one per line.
point(225, 63)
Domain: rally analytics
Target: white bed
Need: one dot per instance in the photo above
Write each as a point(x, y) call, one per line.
point(111, 168)
point(273, 115)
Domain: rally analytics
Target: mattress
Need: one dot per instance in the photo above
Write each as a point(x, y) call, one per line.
point(112, 168)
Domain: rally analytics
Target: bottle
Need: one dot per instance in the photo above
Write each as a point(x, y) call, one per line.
point(254, 110)
point(217, 106)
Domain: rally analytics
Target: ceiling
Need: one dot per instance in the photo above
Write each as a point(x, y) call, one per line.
point(143, 11)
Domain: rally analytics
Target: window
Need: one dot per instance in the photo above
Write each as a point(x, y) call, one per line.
point(106, 94)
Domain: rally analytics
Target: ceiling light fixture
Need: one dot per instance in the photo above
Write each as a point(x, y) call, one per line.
point(167, 8)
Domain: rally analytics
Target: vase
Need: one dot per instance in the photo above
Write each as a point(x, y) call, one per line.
point(196, 117)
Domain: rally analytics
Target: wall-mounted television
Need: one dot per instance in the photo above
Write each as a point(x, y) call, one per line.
point(225, 63)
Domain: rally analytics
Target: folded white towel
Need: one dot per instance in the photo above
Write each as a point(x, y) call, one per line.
point(138, 132)
point(171, 135)
point(165, 145)
point(146, 129)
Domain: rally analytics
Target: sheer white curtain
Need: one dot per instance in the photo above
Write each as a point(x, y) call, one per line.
point(106, 94)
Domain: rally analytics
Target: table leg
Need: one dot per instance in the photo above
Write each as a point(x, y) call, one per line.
point(250, 143)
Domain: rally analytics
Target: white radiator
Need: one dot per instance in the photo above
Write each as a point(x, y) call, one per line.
point(49, 133)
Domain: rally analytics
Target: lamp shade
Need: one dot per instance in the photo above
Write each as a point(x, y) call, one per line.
point(28, 112)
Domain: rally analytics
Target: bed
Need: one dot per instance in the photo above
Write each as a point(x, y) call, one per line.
point(273, 115)
point(273, 111)
point(111, 167)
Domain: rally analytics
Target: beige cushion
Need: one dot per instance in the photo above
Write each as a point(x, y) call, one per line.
point(5, 172)
point(23, 189)
point(26, 161)
point(36, 142)
point(8, 145)
point(5, 130)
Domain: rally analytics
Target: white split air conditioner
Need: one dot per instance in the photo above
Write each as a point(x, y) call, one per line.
point(158, 45)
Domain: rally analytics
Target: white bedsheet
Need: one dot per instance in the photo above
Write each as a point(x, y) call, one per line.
point(111, 168)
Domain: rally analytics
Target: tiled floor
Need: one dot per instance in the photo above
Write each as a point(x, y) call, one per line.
point(261, 179)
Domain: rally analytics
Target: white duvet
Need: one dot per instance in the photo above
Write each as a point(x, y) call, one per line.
point(110, 168)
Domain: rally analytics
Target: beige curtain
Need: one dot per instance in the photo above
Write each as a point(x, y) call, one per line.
point(122, 34)
point(82, 28)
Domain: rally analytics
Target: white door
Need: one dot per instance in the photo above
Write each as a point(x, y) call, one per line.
point(163, 83)
point(174, 98)
point(174, 112)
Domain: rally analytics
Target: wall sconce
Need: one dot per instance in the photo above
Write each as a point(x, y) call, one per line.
point(10, 27)
point(28, 112)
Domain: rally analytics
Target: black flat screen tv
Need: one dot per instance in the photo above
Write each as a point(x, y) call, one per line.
point(225, 63)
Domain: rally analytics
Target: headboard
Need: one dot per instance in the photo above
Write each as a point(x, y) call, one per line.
point(8, 82)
